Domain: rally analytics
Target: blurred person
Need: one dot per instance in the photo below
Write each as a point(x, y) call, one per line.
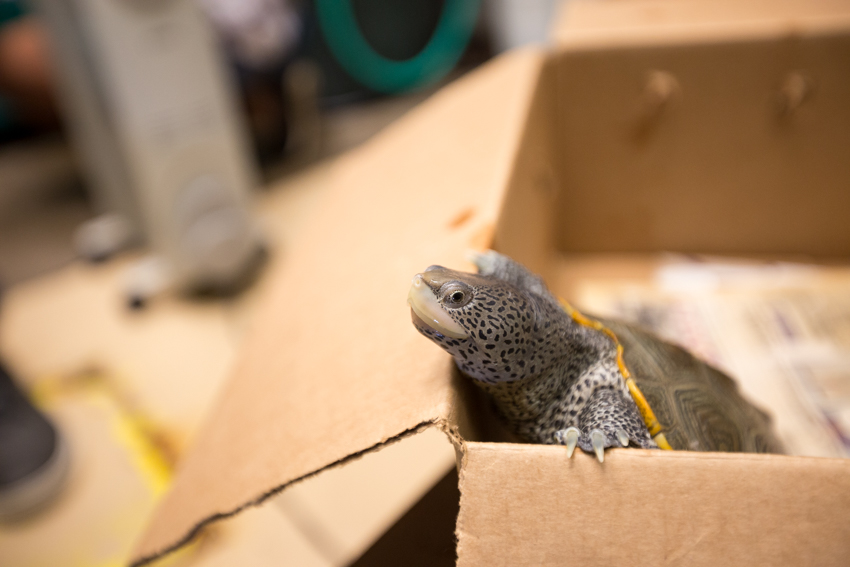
point(27, 103)
point(259, 34)
point(34, 459)
point(261, 38)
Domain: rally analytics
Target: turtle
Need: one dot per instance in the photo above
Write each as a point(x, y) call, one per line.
point(557, 376)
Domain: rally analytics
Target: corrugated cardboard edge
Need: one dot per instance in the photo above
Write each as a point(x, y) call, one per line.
point(438, 148)
point(532, 505)
point(471, 191)
point(197, 528)
point(650, 508)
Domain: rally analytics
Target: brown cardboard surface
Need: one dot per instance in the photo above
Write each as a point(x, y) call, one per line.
point(556, 148)
point(335, 368)
point(650, 508)
point(260, 537)
point(68, 333)
point(591, 23)
point(719, 167)
point(346, 509)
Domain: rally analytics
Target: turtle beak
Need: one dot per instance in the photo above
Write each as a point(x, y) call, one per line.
point(425, 306)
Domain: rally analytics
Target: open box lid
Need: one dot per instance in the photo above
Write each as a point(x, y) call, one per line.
point(333, 367)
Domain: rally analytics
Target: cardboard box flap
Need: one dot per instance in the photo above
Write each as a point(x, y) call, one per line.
point(729, 145)
point(590, 23)
point(693, 508)
point(534, 140)
point(316, 384)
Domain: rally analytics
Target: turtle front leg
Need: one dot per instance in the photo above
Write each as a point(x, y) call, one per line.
point(609, 419)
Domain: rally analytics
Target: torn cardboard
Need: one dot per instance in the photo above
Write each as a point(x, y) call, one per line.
point(325, 407)
point(540, 154)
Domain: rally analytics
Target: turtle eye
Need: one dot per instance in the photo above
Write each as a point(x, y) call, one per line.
point(456, 294)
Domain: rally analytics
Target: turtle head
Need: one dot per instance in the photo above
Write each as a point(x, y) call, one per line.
point(486, 324)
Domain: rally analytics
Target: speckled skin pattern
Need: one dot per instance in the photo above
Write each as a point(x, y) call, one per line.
point(544, 371)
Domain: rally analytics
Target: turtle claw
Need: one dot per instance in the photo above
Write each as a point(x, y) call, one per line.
point(570, 439)
point(597, 439)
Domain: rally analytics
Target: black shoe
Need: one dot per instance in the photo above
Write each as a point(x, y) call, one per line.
point(33, 458)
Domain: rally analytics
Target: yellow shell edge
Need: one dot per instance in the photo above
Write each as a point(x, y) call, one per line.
point(655, 429)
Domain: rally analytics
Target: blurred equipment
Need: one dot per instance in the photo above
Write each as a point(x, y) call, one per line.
point(259, 34)
point(514, 23)
point(341, 30)
point(151, 112)
point(262, 40)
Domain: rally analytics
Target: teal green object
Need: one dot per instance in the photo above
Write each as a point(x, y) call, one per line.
point(438, 57)
point(11, 10)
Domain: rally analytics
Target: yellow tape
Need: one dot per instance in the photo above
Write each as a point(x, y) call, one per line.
point(129, 428)
point(646, 412)
point(141, 438)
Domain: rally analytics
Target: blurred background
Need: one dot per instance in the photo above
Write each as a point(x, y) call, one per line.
point(157, 159)
point(99, 99)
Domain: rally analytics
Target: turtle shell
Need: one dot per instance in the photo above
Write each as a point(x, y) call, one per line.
point(698, 406)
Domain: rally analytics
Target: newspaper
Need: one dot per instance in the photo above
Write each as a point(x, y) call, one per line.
point(782, 330)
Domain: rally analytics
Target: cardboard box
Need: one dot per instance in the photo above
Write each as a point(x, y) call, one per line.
point(702, 129)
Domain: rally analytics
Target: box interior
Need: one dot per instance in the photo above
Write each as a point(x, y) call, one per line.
point(530, 155)
point(719, 167)
point(606, 180)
